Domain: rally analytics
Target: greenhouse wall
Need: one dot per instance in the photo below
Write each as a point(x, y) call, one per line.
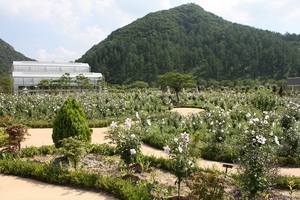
point(27, 75)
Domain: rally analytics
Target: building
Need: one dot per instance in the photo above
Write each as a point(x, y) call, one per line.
point(27, 75)
point(293, 82)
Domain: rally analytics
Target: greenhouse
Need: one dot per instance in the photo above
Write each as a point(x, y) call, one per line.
point(27, 75)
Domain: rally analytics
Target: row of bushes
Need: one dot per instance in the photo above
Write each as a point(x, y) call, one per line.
point(123, 189)
point(9, 164)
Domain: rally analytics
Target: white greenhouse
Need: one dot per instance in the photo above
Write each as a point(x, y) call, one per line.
point(27, 75)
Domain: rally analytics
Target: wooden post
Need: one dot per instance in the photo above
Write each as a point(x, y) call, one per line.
point(227, 166)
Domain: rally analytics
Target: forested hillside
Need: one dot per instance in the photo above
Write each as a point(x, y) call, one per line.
point(188, 39)
point(7, 56)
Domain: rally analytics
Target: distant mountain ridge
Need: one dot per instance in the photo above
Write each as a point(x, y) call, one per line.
point(7, 55)
point(190, 40)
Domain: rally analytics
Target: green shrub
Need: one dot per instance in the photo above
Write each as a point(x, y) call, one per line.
point(70, 121)
point(264, 100)
point(123, 189)
point(207, 186)
point(74, 149)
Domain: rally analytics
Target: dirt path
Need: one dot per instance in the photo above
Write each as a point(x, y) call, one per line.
point(13, 187)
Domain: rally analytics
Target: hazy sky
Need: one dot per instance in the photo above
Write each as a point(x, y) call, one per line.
point(63, 30)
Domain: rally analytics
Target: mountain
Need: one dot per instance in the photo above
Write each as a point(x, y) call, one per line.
point(7, 56)
point(190, 40)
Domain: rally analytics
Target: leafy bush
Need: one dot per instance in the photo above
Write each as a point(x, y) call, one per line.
point(16, 135)
point(206, 185)
point(74, 149)
point(70, 121)
point(128, 143)
point(264, 100)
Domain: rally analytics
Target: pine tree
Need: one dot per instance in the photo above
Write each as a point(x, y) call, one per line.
point(70, 121)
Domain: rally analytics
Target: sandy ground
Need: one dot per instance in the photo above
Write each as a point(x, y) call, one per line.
point(26, 189)
point(12, 187)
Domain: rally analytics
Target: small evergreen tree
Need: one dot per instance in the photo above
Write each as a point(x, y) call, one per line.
point(70, 121)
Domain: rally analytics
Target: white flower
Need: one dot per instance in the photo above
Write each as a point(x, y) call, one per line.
point(128, 123)
point(167, 149)
point(271, 133)
point(179, 149)
point(114, 124)
point(132, 151)
point(149, 122)
point(191, 163)
point(132, 136)
point(137, 115)
point(261, 139)
point(276, 140)
point(248, 115)
point(185, 137)
point(175, 140)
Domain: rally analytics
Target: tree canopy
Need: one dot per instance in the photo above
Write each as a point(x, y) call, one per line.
point(176, 81)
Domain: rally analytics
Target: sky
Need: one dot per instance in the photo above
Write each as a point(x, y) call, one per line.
point(63, 30)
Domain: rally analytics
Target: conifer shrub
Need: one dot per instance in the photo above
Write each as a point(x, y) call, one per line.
point(70, 121)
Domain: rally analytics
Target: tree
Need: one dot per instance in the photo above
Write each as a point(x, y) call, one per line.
point(140, 84)
point(65, 81)
point(70, 121)
point(176, 81)
point(44, 84)
point(83, 82)
point(6, 84)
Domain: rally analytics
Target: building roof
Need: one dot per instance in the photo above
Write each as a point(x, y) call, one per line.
point(34, 69)
point(293, 81)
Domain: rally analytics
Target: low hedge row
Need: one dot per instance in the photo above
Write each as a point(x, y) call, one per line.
point(120, 188)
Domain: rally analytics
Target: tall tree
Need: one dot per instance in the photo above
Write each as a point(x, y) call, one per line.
point(176, 81)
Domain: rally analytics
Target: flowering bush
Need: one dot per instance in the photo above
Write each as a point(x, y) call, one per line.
point(257, 154)
point(179, 154)
point(128, 143)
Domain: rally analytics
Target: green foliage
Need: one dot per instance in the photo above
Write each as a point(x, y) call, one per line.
point(256, 152)
point(6, 84)
point(290, 122)
point(7, 56)
point(140, 85)
point(179, 154)
point(187, 39)
point(128, 143)
point(176, 81)
point(70, 121)
point(73, 149)
point(59, 175)
point(264, 100)
point(208, 186)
